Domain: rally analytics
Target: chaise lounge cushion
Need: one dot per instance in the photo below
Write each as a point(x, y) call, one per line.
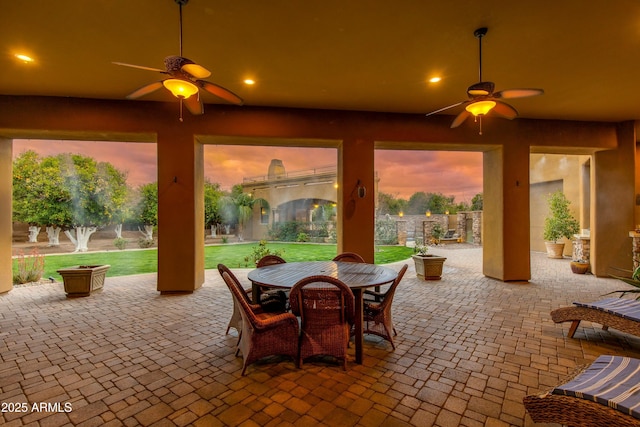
point(613, 381)
point(626, 308)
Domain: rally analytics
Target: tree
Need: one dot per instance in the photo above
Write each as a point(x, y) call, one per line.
point(212, 215)
point(439, 203)
point(560, 222)
point(67, 192)
point(97, 191)
point(389, 204)
point(27, 187)
point(244, 205)
point(477, 202)
point(419, 203)
point(146, 211)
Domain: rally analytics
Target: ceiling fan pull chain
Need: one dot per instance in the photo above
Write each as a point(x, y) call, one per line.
point(480, 132)
point(181, 120)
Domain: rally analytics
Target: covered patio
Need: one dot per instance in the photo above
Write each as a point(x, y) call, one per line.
point(468, 349)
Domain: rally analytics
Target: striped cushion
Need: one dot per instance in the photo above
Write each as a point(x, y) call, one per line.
point(627, 308)
point(610, 380)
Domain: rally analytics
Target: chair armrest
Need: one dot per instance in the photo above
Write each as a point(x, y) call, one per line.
point(266, 321)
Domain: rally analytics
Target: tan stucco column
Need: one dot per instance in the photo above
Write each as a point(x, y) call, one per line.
point(6, 276)
point(505, 240)
point(613, 203)
point(180, 213)
point(356, 222)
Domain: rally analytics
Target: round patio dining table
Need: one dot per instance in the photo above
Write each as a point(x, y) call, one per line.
point(358, 276)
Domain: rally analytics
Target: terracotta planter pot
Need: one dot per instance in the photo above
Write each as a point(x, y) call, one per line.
point(579, 267)
point(555, 250)
point(429, 267)
point(82, 280)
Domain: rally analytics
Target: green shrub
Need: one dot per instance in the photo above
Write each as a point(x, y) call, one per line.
point(302, 237)
point(386, 232)
point(29, 268)
point(145, 243)
point(120, 243)
point(257, 252)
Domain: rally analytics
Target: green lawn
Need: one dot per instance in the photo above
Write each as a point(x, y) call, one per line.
point(146, 261)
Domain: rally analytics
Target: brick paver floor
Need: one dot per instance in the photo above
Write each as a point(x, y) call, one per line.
point(468, 349)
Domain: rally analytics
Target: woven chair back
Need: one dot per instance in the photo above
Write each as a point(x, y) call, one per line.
point(322, 301)
point(270, 260)
point(240, 297)
point(348, 257)
point(388, 296)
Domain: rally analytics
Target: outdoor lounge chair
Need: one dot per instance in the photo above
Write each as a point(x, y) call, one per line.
point(603, 394)
point(618, 313)
point(262, 334)
point(326, 309)
point(378, 319)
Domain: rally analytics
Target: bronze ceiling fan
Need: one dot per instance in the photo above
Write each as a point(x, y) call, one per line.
point(184, 80)
point(482, 98)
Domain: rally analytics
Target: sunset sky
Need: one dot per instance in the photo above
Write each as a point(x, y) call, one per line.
point(401, 173)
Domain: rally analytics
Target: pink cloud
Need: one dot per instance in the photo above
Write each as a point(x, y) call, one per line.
point(401, 173)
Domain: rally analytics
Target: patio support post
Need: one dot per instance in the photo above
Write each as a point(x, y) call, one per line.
point(356, 198)
point(506, 235)
point(6, 229)
point(180, 212)
point(613, 203)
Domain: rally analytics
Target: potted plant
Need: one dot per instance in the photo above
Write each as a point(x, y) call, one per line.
point(560, 223)
point(82, 280)
point(428, 267)
point(579, 266)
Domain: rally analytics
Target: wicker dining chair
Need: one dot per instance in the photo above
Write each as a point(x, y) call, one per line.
point(265, 292)
point(348, 257)
point(325, 306)
point(269, 260)
point(377, 316)
point(236, 320)
point(263, 334)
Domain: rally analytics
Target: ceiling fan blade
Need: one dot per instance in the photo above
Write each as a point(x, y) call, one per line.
point(446, 108)
point(140, 67)
point(197, 71)
point(518, 93)
point(505, 110)
point(144, 90)
point(460, 118)
point(194, 105)
point(220, 92)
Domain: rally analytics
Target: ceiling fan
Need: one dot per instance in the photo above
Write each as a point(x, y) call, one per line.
point(482, 98)
point(184, 80)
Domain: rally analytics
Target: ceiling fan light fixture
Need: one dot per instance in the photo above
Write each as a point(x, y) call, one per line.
point(180, 88)
point(480, 108)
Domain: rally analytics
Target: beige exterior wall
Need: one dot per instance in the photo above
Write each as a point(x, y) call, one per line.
point(551, 172)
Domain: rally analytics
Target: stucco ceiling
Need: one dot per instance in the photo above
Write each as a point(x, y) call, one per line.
point(371, 55)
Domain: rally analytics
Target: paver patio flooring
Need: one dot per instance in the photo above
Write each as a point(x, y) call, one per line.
point(468, 349)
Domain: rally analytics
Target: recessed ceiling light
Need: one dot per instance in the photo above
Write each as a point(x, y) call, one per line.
point(434, 79)
point(24, 58)
point(249, 81)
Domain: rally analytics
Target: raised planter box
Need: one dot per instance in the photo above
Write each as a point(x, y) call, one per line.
point(82, 280)
point(429, 267)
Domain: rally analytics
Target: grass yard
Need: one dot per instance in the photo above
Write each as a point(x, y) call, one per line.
point(233, 255)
